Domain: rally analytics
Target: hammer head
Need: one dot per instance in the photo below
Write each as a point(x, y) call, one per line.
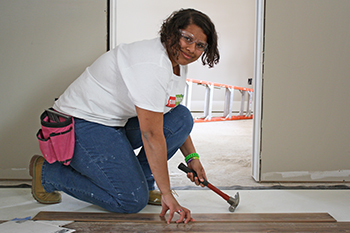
point(233, 201)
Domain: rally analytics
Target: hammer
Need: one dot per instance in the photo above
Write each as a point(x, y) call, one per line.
point(233, 201)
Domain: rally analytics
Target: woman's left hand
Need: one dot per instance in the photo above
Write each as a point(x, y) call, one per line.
point(196, 166)
point(170, 203)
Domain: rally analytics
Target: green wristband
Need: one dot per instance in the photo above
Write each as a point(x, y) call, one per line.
point(190, 156)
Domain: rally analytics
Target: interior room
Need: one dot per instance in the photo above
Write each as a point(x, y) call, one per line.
point(289, 163)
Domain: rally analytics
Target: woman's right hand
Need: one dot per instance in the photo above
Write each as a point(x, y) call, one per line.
point(196, 166)
point(170, 203)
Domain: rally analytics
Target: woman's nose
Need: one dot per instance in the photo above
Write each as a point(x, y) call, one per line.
point(191, 47)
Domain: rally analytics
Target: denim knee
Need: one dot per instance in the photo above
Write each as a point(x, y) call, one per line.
point(131, 203)
point(185, 117)
point(135, 206)
point(189, 118)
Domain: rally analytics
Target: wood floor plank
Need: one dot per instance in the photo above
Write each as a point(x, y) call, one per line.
point(88, 227)
point(144, 217)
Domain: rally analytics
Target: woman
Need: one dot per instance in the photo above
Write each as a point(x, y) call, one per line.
point(127, 99)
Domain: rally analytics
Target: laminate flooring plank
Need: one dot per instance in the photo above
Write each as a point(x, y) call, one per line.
point(202, 227)
point(144, 217)
point(97, 217)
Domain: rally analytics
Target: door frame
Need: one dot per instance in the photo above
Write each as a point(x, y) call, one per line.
point(258, 75)
point(258, 87)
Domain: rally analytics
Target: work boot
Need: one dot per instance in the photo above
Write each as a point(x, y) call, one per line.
point(38, 190)
point(154, 197)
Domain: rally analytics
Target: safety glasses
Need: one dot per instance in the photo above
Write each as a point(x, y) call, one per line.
point(189, 38)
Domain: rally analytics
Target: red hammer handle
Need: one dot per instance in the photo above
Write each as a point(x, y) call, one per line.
point(215, 189)
point(184, 168)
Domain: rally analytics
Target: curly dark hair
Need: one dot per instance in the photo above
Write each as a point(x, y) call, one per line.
point(170, 33)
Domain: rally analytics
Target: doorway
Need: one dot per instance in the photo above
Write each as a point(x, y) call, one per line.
point(238, 23)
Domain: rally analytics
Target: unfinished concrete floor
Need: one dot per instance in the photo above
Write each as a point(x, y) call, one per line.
point(225, 150)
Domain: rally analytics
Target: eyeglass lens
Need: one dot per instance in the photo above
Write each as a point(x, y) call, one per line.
point(190, 39)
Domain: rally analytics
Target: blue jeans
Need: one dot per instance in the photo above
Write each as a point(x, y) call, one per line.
point(105, 170)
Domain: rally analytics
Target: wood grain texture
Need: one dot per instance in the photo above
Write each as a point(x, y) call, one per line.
point(235, 222)
point(144, 217)
point(144, 227)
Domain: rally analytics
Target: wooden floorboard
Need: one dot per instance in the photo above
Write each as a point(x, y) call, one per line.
point(144, 217)
point(233, 222)
point(144, 227)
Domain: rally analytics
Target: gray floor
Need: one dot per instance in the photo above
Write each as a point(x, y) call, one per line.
point(225, 150)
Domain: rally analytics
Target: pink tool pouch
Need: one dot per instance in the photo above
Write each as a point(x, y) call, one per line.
point(56, 137)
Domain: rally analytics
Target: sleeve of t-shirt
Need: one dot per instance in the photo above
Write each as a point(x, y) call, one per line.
point(147, 85)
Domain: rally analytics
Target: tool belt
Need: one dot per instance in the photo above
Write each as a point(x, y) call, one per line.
point(56, 136)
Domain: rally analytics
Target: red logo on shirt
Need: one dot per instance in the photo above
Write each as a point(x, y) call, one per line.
point(171, 102)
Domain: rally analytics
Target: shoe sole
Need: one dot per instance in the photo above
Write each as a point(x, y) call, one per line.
point(154, 203)
point(32, 164)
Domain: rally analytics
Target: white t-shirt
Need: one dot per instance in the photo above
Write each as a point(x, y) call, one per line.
point(138, 74)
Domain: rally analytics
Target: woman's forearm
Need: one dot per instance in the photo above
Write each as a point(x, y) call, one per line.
point(188, 147)
point(151, 127)
point(155, 148)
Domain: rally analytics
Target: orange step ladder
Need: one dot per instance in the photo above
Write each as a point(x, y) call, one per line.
point(229, 93)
